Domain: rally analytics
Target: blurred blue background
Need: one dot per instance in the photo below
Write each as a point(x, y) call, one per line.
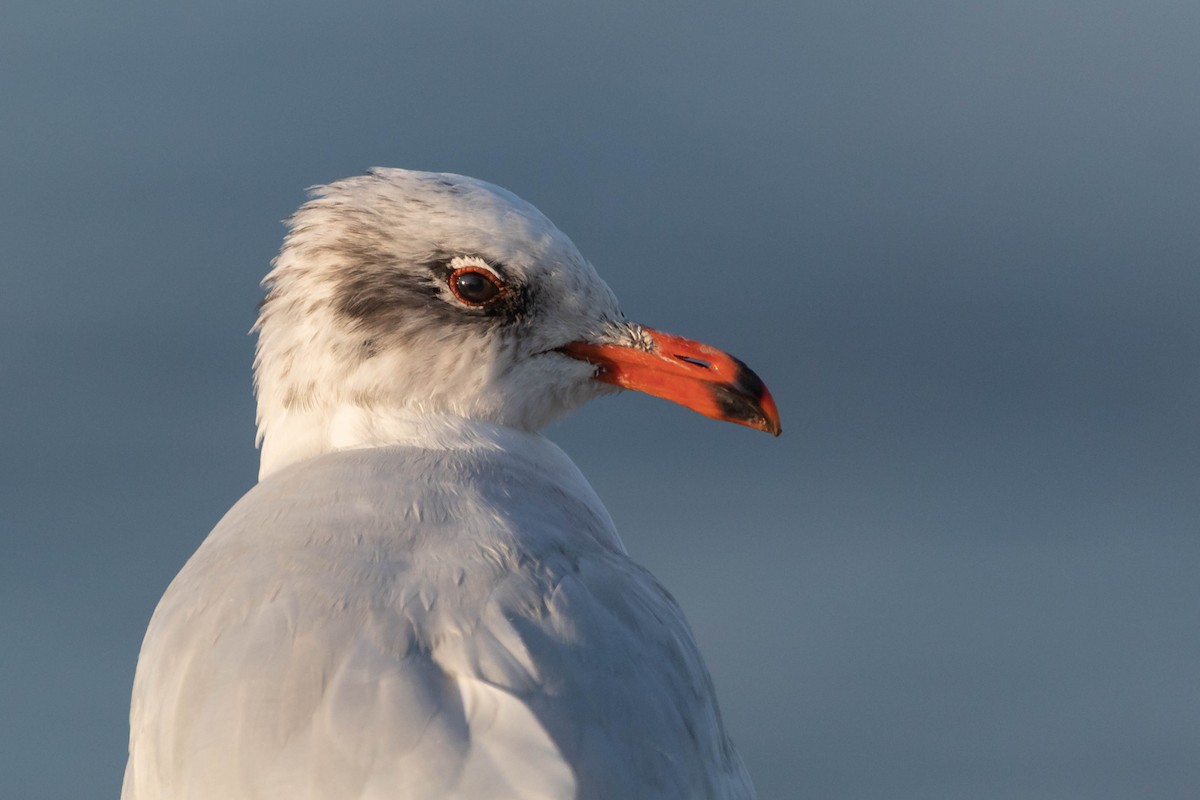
point(958, 240)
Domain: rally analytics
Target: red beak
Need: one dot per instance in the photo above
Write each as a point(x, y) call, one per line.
point(692, 374)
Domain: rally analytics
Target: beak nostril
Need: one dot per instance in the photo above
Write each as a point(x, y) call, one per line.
point(696, 361)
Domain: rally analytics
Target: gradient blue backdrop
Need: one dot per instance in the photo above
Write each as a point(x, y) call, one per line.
point(958, 239)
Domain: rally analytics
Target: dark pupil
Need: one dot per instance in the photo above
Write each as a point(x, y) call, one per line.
point(475, 288)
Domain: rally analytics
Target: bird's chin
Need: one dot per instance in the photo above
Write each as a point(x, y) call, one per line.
point(579, 392)
point(543, 388)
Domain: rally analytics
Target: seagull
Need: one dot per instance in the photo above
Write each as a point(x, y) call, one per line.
point(423, 597)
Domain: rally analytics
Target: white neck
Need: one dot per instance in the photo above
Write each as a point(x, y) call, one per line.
point(297, 435)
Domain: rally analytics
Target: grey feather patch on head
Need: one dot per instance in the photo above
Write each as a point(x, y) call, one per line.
point(359, 313)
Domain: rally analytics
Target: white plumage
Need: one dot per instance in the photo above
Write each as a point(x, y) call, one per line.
point(423, 598)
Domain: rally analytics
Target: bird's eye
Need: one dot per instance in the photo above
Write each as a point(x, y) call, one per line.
point(475, 286)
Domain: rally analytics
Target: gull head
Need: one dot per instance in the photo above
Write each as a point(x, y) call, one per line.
point(402, 295)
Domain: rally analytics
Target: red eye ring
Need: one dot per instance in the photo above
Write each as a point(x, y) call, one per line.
point(475, 286)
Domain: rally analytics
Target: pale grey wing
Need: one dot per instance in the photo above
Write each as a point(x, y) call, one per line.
point(606, 662)
point(280, 689)
point(340, 635)
point(620, 686)
point(288, 704)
